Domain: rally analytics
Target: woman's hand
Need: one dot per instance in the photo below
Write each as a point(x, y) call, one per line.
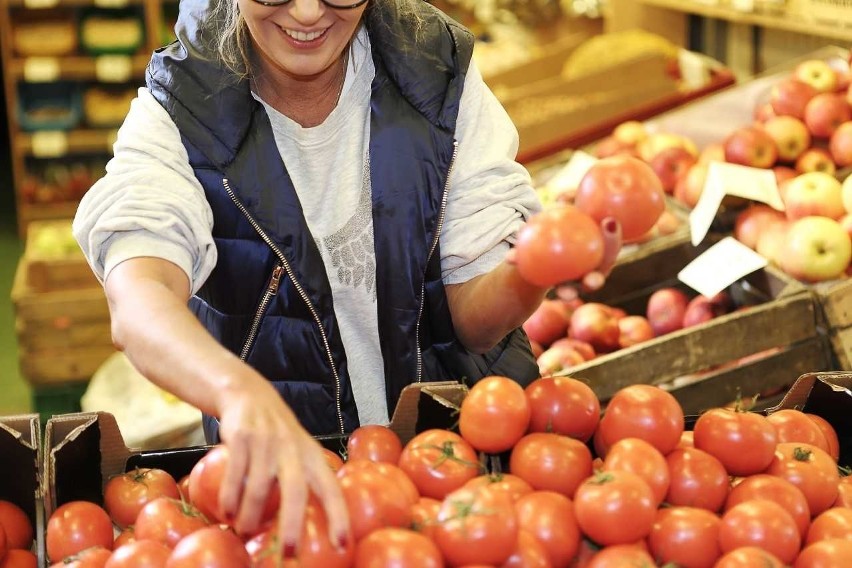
point(266, 442)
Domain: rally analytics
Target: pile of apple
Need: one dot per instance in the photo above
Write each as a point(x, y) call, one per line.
point(564, 333)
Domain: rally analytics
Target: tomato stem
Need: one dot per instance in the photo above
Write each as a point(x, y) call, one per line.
point(448, 453)
point(845, 470)
point(801, 454)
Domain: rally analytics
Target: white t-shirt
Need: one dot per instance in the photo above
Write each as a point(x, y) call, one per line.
point(151, 204)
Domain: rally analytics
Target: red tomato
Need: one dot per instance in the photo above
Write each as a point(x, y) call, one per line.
point(16, 523)
point(394, 474)
point(615, 507)
point(3, 546)
point(777, 490)
point(743, 441)
point(375, 443)
point(126, 494)
point(94, 557)
point(205, 481)
point(511, 484)
point(646, 412)
point(211, 547)
point(126, 536)
point(625, 188)
point(557, 245)
point(551, 462)
point(844, 493)
point(438, 462)
point(826, 554)
point(424, 516)
point(373, 500)
point(749, 557)
point(686, 440)
point(549, 517)
point(621, 556)
point(760, 523)
point(563, 405)
point(831, 524)
point(494, 414)
point(168, 521)
point(335, 462)
point(529, 553)
point(139, 554)
point(19, 558)
point(794, 426)
point(685, 536)
point(313, 551)
point(697, 479)
point(183, 487)
point(76, 526)
point(395, 547)
point(830, 435)
point(639, 457)
point(811, 470)
point(476, 526)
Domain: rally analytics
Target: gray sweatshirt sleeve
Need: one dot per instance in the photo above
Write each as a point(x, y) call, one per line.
point(149, 203)
point(490, 194)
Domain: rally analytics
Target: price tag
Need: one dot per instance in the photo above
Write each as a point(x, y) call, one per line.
point(720, 266)
point(110, 3)
point(731, 179)
point(567, 180)
point(49, 144)
point(40, 4)
point(41, 69)
point(113, 68)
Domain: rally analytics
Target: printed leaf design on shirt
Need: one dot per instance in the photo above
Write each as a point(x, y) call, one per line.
point(351, 248)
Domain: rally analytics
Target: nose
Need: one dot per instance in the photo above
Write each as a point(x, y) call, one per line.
point(306, 11)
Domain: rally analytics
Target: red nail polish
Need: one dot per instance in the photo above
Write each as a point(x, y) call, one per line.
point(611, 226)
point(289, 550)
point(342, 541)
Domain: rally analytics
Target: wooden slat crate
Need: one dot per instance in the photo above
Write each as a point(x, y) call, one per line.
point(835, 299)
point(54, 262)
point(758, 350)
point(63, 335)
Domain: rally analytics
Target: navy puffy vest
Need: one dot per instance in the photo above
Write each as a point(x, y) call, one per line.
point(262, 237)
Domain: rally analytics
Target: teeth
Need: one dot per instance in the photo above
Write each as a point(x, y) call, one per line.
point(302, 36)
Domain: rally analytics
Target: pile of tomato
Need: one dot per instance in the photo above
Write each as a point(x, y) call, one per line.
point(16, 537)
point(530, 478)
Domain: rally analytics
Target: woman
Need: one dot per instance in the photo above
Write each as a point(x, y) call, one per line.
point(331, 189)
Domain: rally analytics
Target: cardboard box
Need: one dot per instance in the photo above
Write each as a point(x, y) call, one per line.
point(20, 478)
point(759, 350)
point(83, 450)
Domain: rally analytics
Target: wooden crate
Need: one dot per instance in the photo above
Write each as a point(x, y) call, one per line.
point(60, 268)
point(761, 349)
point(835, 300)
point(63, 335)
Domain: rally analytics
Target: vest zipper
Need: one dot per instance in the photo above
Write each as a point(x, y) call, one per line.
point(299, 289)
point(429, 258)
point(271, 290)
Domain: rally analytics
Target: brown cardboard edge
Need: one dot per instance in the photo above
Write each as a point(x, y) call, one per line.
point(404, 419)
point(26, 428)
point(798, 394)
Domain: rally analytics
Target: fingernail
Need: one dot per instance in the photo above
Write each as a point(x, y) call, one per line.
point(342, 541)
point(610, 225)
point(229, 517)
point(289, 550)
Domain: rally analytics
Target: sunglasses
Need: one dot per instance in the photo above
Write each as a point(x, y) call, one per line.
point(336, 4)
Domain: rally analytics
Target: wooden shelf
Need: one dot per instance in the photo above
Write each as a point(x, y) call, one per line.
point(765, 20)
point(46, 211)
point(44, 4)
point(104, 68)
point(52, 144)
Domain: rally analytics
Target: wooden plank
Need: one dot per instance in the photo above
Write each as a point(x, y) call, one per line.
point(841, 341)
point(67, 306)
point(836, 300)
point(782, 322)
point(60, 366)
point(776, 372)
point(623, 15)
point(41, 336)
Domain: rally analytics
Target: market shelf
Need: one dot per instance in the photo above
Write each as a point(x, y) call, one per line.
point(58, 143)
point(780, 21)
point(46, 211)
point(44, 4)
point(104, 68)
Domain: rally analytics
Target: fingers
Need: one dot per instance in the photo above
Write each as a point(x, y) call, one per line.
point(232, 483)
point(593, 281)
point(512, 256)
point(294, 496)
point(612, 245)
point(262, 471)
point(327, 488)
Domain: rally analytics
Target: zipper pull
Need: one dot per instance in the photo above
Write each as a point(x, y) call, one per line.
point(275, 281)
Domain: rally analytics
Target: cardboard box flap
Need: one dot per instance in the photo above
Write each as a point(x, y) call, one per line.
point(415, 413)
point(20, 480)
point(82, 450)
point(177, 462)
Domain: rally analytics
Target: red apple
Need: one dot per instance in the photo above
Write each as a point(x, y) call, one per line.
point(633, 330)
point(557, 359)
point(783, 174)
point(790, 135)
point(750, 146)
point(630, 133)
point(595, 324)
point(671, 165)
point(815, 160)
point(840, 145)
point(548, 322)
point(846, 223)
point(665, 310)
point(753, 220)
point(668, 223)
point(714, 152)
point(763, 112)
point(581, 347)
point(659, 141)
point(770, 242)
point(790, 96)
point(816, 249)
point(688, 190)
point(818, 74)
point(814, 193)
point(846, 194)
point(825, 112)
point(701, 308)
point(610, 146)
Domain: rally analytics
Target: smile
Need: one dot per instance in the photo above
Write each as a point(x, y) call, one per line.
point(305, 36)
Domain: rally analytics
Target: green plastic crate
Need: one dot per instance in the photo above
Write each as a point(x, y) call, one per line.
point(57, 399)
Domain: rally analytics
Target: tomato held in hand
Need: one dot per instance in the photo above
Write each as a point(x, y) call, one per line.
point(494, 414)
point(126, 494)
point(625, 188)
point(558, 245)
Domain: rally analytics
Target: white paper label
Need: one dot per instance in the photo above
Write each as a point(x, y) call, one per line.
point(113, 68)
point(49, 144)
point(731, 179)
point(568, 179)
point(41, 69)
point(720, 266)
